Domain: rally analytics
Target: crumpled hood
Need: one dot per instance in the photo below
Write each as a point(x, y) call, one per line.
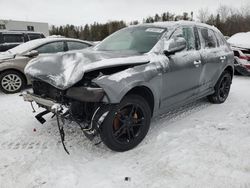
point(63, 70)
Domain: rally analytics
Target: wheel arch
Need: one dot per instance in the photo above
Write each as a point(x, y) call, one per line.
point(146, 93)
point(229, 69)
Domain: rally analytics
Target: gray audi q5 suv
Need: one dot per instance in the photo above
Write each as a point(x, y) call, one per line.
point(113, 89)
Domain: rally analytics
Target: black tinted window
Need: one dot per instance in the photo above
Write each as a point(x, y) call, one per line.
point(34, 36)
point(13, 38)
point(207, 37)
point(188, 34)
point(76, 45)
point(53, 47)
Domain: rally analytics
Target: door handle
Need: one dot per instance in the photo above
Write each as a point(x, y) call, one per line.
point(222, 58)
point(197, 63)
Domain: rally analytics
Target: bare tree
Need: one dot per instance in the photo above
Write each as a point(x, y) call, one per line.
point(225, 11)
point(203, 15)
point(245, 9)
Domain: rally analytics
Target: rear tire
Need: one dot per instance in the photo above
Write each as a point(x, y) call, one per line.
point(127, 124)
point(11, 82)
point(222, 89)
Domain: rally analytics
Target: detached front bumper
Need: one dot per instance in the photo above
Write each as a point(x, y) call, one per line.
point(48, 104)
point(81, 94)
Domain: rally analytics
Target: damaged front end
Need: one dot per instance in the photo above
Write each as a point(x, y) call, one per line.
point(82, 105)
point(63, 85)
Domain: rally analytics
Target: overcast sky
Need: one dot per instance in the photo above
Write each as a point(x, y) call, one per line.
point(80, 12)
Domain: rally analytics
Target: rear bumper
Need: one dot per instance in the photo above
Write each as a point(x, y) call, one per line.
point(242, 66)
point(242, 70)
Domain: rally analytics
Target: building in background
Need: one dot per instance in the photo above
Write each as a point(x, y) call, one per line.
point(13, 25)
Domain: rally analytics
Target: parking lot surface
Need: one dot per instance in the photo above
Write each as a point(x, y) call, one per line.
point(198, 145)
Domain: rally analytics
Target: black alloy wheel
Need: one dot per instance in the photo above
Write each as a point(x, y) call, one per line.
point(222, 89)
point(126, 126)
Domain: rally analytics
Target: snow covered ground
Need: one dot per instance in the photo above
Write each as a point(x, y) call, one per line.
point(199, 145)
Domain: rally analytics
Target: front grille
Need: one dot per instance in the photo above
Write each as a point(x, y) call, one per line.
point(46, 90)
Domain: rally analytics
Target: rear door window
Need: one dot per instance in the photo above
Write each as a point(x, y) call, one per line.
point(12, 38)
point(53, 47)
point(76, 45)
point(207, 37)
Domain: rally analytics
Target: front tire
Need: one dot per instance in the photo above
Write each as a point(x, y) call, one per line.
point(222, 89)
point(127, 124)
point(11, 82)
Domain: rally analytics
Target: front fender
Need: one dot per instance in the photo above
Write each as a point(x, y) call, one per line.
point(10, 65)
point(117, 85)
point(17, 66)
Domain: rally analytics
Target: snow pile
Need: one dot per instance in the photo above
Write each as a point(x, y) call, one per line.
point(241, 40)
point(198, 145)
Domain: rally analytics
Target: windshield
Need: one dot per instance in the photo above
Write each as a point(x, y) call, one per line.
point(139, 39)
point(27, 46)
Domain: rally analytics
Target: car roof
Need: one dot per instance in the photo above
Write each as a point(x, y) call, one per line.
point(168, 24)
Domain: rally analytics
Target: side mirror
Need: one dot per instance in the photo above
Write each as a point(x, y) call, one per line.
point(32, 53)
point(174, 45)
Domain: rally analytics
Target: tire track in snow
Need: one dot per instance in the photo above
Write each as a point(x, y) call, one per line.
point(158, 124)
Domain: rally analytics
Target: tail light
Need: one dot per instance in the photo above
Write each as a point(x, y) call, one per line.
point(245, 57)
point(247, 66)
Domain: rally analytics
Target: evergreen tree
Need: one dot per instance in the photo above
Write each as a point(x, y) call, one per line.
point(157, 18)
point(185, 16)
point(86, 32)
